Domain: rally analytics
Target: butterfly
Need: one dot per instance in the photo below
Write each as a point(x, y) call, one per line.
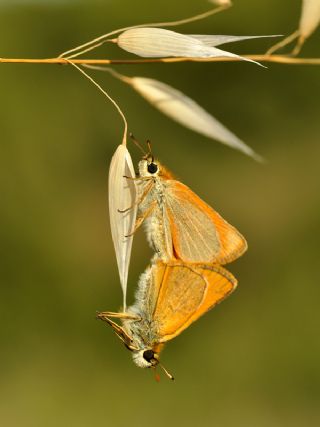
point(170, 297)
point(180, 225)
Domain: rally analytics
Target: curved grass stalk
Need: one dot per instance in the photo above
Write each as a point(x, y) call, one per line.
point(124, 139)
point(283, 42)
point(98, 41)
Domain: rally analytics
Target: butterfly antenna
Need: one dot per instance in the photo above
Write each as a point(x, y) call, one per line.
point(150, 149)
point(166, 372)
point(137, 143)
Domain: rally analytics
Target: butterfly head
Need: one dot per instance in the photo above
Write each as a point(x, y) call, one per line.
point(148, 167)
point(145, 358)
point(148, 358)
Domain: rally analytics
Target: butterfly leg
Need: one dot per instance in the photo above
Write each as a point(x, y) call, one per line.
point(140, 200)
point(138, 178)
point(103, 314)
point(119, 330)
point(142, 217)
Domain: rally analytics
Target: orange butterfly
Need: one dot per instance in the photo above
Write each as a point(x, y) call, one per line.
point(179, 225)
point(170, 297)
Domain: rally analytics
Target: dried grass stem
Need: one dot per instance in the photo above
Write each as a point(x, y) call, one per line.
point(280, 59)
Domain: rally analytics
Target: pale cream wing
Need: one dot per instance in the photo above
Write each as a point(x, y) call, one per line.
point(198, 232)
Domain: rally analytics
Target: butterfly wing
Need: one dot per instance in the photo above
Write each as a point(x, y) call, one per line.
point(185, 293)
point(199, 233)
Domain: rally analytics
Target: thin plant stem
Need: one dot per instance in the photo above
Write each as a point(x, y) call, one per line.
point(280, 59)
point(111, 71)
point(88, 49)
point(124, 139)
point(283, 43)
point(99, 40)
point(298, 46)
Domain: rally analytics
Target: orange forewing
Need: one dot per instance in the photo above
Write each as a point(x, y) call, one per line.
point(203, 222)
point(184, 293)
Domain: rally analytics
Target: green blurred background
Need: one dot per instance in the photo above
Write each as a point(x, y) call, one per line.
point(254, 360)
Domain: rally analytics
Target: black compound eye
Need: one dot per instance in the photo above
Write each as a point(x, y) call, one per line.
point(148, 355)
point(152, 168)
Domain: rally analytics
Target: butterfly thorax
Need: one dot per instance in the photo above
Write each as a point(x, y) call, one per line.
point(143, 332)
point(152, 193)
point(144, 340)
point(144, 354)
